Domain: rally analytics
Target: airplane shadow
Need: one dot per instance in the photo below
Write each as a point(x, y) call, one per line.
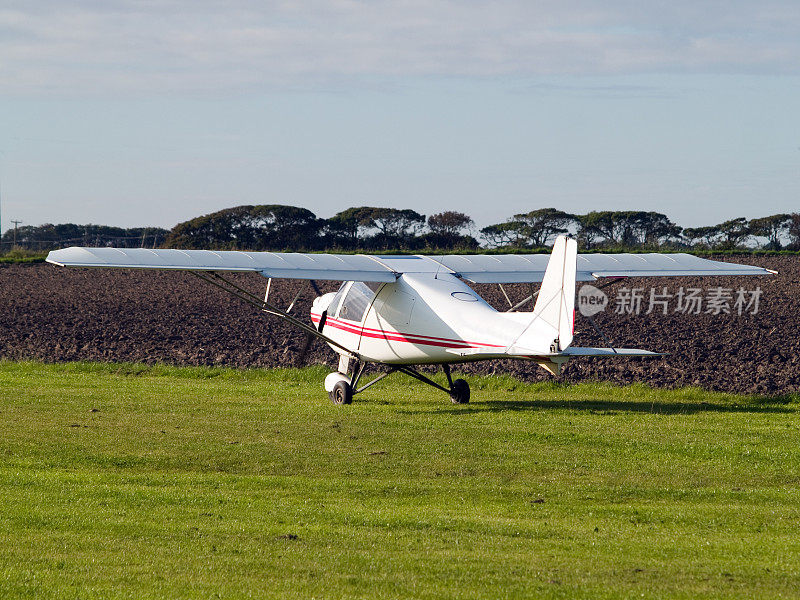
point(755, 404)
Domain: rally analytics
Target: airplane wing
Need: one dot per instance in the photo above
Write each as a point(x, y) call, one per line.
point(289, 265)
point(530, 268)
point(476, 268)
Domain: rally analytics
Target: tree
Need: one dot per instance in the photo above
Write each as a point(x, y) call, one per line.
point(733, 233)
point(614, 227)
point(596, 224)
point(284, 227)
point(629, 228)
point(348, 228)
point(652, 228)
point(772, 228)
point(395, 222)
point(706, 235)
point(447, 231)
point(260, 227)
point(396, 228)
point(449, 223)
point(510, 233)
point(543, 224)
point(588, 233)
point(794, 231)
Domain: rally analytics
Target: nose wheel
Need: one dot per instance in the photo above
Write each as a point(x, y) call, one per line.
point(341, 393)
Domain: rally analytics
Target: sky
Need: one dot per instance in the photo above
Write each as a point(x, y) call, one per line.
point(152, 112)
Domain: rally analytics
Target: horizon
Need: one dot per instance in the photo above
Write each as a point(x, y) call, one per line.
point(474, 226)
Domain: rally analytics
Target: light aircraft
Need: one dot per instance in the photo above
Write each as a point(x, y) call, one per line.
point(400, 312)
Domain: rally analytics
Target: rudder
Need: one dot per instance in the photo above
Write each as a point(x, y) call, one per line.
point(555, 304)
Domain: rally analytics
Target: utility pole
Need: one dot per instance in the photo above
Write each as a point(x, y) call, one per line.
point(15, 231)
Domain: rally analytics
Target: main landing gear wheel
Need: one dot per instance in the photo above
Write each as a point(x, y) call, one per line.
point(342, 393)
point(459, 393)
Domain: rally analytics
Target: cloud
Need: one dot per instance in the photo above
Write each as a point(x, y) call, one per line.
point(123, 46)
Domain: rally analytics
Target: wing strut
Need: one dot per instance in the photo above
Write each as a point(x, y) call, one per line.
point(242, 294)
point(521, 302)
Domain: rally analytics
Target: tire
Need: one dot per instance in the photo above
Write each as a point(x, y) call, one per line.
point(342, 393)
point(459, 393)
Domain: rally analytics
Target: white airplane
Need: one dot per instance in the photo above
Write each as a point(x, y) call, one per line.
point(400, 312)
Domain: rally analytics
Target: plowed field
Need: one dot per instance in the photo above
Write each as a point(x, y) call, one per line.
point(55, 314)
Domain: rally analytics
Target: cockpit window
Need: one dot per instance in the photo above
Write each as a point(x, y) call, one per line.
point(331, 310)
point(357, 300)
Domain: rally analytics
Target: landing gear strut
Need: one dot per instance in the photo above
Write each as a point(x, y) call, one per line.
point(341, 388)
point(459, 389)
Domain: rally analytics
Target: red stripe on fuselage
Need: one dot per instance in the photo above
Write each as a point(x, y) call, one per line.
point(410, 338)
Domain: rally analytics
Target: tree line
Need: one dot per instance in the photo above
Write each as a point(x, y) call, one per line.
point(637, 230)
point(50, 237)
point(366, 228)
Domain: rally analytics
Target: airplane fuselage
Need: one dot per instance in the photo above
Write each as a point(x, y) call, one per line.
point(424, 318)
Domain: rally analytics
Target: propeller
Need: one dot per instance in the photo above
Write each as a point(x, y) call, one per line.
point(300, 361)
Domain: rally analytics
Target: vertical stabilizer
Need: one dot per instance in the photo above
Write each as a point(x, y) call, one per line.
point(555, 304)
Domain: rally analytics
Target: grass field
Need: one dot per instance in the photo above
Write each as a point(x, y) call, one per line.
point(152, 482)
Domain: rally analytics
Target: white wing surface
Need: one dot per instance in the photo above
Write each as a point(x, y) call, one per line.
point(290, 265)
point(476, 268)
point(530, 268)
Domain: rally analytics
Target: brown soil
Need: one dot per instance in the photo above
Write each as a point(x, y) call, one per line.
point(57, 314)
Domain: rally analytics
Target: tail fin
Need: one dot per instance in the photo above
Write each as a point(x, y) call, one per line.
point(555, 304)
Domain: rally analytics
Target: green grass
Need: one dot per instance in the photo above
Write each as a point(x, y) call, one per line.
point(12, 259)
point(150, 482)
point(21, 255)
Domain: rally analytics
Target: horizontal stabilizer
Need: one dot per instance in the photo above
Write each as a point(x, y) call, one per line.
point(489, 352)
point(568, 353)
point(573, 351)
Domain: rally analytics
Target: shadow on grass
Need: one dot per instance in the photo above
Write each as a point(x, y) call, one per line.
point(608, 407)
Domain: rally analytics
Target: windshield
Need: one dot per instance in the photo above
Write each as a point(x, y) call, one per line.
point(331, 310)
point(357, 300)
